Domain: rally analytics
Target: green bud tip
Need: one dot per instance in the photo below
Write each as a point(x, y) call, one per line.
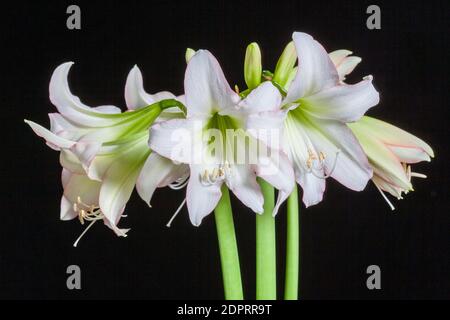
point(285, 64)
point(189, 53)
point(252, 66)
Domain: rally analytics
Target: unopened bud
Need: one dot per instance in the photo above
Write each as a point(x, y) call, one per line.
point(285, 64)
point(252, 66)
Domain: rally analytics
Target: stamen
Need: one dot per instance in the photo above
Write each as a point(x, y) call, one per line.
point(216, 175)
point(385, 198)
point(180, 183)
point(176, 213)
point(311, 168)
point(311, 158)
point(236, 88)
point(418, 175)
point(86, 213)
point(322, 156)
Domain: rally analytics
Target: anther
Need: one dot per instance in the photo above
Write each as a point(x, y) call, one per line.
point(216, 175)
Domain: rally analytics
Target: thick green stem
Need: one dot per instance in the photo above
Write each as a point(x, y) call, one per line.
point(229, 257)
point(292, 247)
point(266, 267)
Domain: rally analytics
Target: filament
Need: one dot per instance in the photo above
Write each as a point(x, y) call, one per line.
point(86, 212)
point(176, 213)
point(385, 197)
point(180, 183)
point(312, 167)
point(218, 174)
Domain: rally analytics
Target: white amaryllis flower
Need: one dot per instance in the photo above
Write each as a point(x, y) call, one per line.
point(313, 119)
point(214, 110)
point(391, 150)
point(104, 150)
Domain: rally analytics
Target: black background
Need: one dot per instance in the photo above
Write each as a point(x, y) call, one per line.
point(340, 237)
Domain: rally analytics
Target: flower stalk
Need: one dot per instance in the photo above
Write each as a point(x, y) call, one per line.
point(292, 247)
point(266, 279)
point(229, 256)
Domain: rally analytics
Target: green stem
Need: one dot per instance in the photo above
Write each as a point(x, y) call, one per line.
point(292, 247)
point(266, 278)
point(229, 257)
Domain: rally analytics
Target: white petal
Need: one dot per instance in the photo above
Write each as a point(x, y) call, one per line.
point(345, 159)
point(266, 97)
point(157, 172)
point(201, 199)
point(344, 64)
point(177, 139)
point(107, 109)
point(86, 151)
point(70, 162)
point(135, 95)
point(315, 72)
point(346, 103)
point(387, 186)
point(313, 187)
point(59, 124)
point(384, 162)
point(277, 170)
point(182, 99)
point(206, 89)
point(410, 155)
point(242, 182)
point(96, 158)
point(298, 145)
point(118, 231)
point(65, 177)
point(119, 180)
point(392, 135)
point(78, 186)
point(53, 141)
point(338, 56)
point(65, 129)
point(67, 212)
point(267, 127)
point(71, 107)
point(347, 66)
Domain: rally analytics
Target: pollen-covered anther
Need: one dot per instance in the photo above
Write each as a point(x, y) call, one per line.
point(311, 157)
point(87, 212)
point(210, 177)
point(316, 164)
point(322, 156)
